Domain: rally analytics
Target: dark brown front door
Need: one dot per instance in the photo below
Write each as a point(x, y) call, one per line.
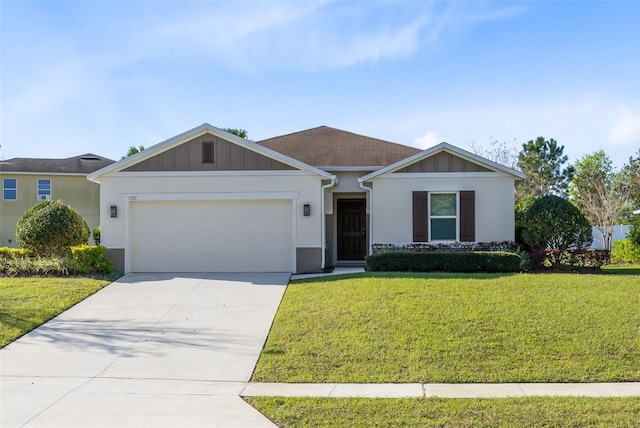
point(352, 220)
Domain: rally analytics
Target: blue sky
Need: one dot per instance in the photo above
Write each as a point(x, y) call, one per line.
point(91, 76)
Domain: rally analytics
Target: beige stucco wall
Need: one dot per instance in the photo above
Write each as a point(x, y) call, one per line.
point(117, 189)
point(392, 203)
point(74, 190)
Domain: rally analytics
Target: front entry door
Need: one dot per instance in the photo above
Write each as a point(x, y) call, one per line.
point(352, 220)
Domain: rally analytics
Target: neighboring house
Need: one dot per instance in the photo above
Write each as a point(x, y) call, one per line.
point(27, 181)
point(207, 201)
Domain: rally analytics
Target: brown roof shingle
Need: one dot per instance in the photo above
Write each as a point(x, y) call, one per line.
point(329, 147)
point(83, 164)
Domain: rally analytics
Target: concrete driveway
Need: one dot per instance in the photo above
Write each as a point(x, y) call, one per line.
point(148, 350)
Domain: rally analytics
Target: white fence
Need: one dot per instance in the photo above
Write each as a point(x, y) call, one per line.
point(619, 232)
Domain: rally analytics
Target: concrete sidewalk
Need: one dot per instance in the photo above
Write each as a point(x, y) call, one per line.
point(148, 350)
point(462, 390)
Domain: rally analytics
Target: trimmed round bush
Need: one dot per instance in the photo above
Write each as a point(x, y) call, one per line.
point(555, 223)
point(51, 227)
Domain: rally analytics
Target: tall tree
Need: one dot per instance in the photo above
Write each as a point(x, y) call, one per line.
point(542, 160)
point(132, 151)
point(600, 193)
point(631, 175)
point(498, 152)
point(242, 133)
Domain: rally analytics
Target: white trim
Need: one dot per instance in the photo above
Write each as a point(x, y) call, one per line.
point(444, 147)
point(350, 168)
point(205, 128)
point(132, 198)
point(72, 174)
point(636, 212)
point(270, 173)
point(213, 196)
point(405, 175)
point(369, 210)
point(323, 221)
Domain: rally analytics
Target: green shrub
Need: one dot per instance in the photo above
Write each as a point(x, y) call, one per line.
point(51, 227)
point(13, 253)
point(633, 234)
point(96, 235)
point(52, 265)
point(555, 223)
point(625, 251)
point(91, 259)
point(570, 260)
point(495, 261)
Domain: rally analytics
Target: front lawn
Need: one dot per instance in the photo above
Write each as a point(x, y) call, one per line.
point(25, 303)
point(431, 328)
point(438, 412)
point(622, 269)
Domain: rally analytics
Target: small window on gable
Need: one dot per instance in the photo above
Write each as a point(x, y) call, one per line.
point(207, 152)
point(44, 189)
point(10, 189)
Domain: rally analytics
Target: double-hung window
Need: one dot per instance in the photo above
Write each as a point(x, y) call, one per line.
point(443, 216)
point(44, 189)
point(10, 189)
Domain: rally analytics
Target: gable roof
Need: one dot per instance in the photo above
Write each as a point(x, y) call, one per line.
point(446, 147)
point(83, 164)
point(193, 133)
point(326, 147)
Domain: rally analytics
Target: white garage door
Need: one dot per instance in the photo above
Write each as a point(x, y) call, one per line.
point(211, 236)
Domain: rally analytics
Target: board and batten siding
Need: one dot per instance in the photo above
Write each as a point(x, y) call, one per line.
point(226, 156)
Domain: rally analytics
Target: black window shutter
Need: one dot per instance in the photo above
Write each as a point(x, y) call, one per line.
point(468, 216)
point(420, 217)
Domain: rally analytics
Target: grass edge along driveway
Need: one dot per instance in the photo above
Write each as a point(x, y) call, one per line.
point(432, 328)
point(27, 302)
point(455, 412)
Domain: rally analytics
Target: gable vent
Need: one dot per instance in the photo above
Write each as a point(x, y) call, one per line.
point(207, 152)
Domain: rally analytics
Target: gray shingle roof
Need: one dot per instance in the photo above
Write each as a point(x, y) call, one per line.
point(83, 164)
point(329, 147)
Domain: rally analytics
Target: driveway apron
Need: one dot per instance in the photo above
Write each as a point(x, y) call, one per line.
point(147, 350)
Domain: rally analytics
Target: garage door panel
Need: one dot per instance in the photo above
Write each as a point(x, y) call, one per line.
point(212, 236)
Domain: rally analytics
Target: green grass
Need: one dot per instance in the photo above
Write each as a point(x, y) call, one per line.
point(456, 328)
point(25, 303)
point(437, 412)
point(623, 269)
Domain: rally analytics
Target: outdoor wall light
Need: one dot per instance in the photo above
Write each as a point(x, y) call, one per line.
point(306, 210)
point(114, 211)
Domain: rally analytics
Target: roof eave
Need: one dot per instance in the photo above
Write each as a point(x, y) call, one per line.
point(438, 148)
point(193, 133)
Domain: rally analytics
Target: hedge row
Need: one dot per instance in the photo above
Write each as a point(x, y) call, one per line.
point(463, 247)
point(569, 259)
point(83, 259)
point(480, 261)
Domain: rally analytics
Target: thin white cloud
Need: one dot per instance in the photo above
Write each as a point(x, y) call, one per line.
point(429, 139)
point(625, 128)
